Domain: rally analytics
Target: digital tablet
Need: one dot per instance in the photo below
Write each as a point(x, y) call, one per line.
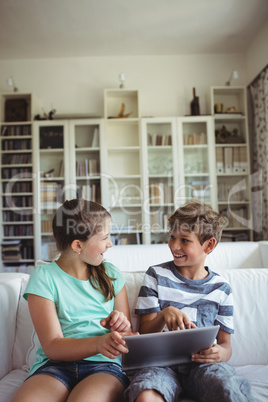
point(166, 348)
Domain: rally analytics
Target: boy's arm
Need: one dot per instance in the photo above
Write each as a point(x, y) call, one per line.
point(220, 352)
point(170, 316)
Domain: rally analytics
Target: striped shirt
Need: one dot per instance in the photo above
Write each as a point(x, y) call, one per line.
point(206, 302)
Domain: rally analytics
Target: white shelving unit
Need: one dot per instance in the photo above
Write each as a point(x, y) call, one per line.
point(232, 160)
point(53, 187)
point(177, 167)
point(140, 169)
point(122, 165)
point(17, 185)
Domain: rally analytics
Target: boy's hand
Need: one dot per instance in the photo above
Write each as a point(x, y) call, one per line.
point(116, 321)
point(176, 319)
point(210, 355)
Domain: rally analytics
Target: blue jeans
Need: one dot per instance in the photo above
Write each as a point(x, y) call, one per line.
point(71, 373)
point(201, 382)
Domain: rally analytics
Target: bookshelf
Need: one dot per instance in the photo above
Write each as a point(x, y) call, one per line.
point(122, 165)
point(140, 169)
point(85, 158)
point(229, 110)
point(160, 161)
point(177, 168)
point(17, 183)
point(195, 136)
point(52, 180)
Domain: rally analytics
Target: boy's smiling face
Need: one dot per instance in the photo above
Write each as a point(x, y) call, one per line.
point(187, 251)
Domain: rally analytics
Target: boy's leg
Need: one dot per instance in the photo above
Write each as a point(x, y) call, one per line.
point(214, 382)
point(100, 387)
point(41, 388)
point(163, 380)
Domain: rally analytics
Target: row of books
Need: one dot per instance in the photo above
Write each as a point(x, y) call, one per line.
point(160, 193)
point(240, 236)
point(13, 145)
point(237, 217)
point(19, 130)
point(18, 230)
point(90, 192)
point(195, 139)
point(19, 216)
point(17, 187)
point(13, 159)
point(21, 173)
point(159, 221)
point(49, 192)
point(224, 189)
point(159, 139)
point(11, 250)
point(20, 201)
point(231, 160)
point(87, 167)
point(46, 226)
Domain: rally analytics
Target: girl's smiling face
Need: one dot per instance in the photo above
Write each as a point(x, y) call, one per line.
point(92, 250)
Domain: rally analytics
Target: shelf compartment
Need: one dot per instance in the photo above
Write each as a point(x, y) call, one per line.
point(127, 162)
point(114, 98)
point(196, 160)
point(123, 133)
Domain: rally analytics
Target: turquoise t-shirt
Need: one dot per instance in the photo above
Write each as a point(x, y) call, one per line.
point(79, 306)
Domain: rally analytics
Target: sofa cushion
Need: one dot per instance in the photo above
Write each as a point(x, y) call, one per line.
point(10, 383)
point(250, 294)
point(235, 255)
point(137, 258)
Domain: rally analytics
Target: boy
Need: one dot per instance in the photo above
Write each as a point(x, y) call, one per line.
point(182, 294)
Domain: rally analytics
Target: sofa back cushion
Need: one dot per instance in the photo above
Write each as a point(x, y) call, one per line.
point(250, 293)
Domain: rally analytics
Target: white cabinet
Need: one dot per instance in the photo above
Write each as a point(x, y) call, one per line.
point(196, 138)
point(122, 165)
point(17, 185)
point(178, 166)
point(160, 172)
point(67, 163)
point(229, 108)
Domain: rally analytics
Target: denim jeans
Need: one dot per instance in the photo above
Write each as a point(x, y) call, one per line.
point(71, 373)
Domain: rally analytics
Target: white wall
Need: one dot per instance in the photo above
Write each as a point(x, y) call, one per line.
point(257, 54)
point(165, 83)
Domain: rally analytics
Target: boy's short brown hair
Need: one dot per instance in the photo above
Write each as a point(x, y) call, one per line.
point(199, 218)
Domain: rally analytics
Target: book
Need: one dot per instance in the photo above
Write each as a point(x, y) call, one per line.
point(219, 160)
point(228, 160)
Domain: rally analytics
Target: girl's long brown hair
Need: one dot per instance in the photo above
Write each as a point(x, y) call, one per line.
point(80, 219)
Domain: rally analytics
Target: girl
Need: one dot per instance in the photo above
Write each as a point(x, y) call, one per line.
point(79, 309)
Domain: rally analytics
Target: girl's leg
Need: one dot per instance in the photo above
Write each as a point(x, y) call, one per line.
point(41, 388)
point(99, 387)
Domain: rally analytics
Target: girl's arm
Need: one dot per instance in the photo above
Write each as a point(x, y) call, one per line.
point(119, 319)
point(219, 352)
point(56, 347)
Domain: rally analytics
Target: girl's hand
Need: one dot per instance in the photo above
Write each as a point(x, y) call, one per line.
point(116, 321)
point(176, 319)
point(210, 355)
point(112, 344)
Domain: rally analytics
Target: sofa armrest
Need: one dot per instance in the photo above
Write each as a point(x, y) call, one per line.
point(10, 285)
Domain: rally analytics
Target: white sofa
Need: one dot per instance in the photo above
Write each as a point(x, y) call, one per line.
point(244, 264)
